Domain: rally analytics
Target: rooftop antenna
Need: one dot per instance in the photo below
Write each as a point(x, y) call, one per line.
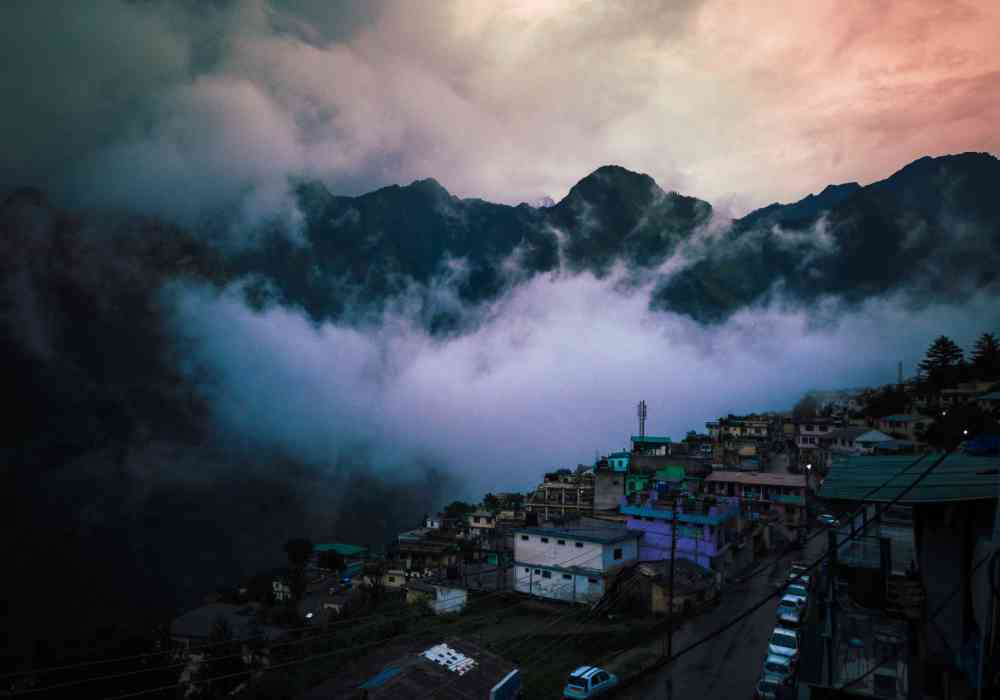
point(642, 420)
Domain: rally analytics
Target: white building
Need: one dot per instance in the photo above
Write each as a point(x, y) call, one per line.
point(443, 598)
point(572, 563)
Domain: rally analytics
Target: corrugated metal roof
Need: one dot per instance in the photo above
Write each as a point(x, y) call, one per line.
point(757, 479)
point(957, 478)
point(658, 439)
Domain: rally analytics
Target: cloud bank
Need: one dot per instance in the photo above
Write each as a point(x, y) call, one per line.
point(549, 379)
point(142, 104)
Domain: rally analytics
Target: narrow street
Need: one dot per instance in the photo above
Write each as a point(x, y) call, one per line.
point(729, 665)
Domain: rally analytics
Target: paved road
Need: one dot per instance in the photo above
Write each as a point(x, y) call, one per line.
point(729, 665)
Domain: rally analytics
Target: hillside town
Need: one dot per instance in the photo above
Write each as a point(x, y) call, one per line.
point(602, 576)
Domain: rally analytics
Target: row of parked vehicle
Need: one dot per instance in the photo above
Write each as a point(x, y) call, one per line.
point(781, 662)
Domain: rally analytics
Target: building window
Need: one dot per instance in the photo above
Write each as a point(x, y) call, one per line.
point(525, 538)
point(563, 542)
point(591, 580)
point(618, 553)
point(538, 571)
point(546, 574)
point(579, 545)
point(545, 539)
point(567, 577)
point(392, 579)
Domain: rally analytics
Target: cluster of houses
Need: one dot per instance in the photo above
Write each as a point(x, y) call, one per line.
point(667, 521)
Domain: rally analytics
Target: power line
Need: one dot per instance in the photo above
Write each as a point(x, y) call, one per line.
point(937, 611)
point(752, 609)
point(313, 639)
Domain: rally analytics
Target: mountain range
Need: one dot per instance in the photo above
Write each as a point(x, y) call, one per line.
point(103, 405)
point(928, 232)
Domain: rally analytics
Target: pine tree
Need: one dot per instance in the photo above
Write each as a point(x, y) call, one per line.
point(943, 361)
point(986, 356)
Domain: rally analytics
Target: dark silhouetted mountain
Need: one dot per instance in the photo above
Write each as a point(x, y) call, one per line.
point(615, 214)
point(365, 251)
point(930, 232)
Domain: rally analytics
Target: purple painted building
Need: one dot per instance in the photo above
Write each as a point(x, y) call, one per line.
point(705, 533)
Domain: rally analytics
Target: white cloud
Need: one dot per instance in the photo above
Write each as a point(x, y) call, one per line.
point(550, 378)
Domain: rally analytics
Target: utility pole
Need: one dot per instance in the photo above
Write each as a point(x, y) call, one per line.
point(673, 555)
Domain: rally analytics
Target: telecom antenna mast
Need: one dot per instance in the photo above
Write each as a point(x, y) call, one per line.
point(642, 420)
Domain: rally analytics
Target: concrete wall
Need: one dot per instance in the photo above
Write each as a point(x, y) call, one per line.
point(550, 553)
point(609, 486)
point(559, 585)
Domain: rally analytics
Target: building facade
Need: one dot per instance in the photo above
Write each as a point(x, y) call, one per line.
point(706, 527)
point(572, 564)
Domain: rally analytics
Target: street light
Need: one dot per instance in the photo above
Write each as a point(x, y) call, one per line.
point(809, 466)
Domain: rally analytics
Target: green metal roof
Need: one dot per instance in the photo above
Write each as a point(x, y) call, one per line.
point(955, 479)
point(618, 455)
point(659, 439)
point(670, 474)
point(344, 550)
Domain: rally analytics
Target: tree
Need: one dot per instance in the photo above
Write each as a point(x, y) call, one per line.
point(942, 362)
point(885, 401)
point(491, 502)
point(298, 550)
point(807, 407)
point(331, 560)
point(986, 356)
point(458, 509)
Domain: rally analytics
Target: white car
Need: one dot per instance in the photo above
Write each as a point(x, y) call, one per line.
point(780, 666)
point(798, 592)
point(767, 686)
point(784, 642)
point(589, 682)
point(789, 613)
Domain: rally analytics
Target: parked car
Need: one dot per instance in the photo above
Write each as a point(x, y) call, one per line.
point(789, 613)
point(589, 682)
point(798, 592)
point(803, 580)
point(828, 520)
point(780, 666)
point(767, 686)
point(784, 642)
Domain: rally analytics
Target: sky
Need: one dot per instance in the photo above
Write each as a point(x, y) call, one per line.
point(187, 110)
point(742, 104)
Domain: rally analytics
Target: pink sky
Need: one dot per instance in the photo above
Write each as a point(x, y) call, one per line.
point(741, 103)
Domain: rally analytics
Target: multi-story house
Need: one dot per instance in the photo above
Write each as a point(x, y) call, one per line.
point(706, 527)
point(905, 426)
point(481, 523)
point(781, 495)
point(563, 493)
point(609, 484)
point(573, 563)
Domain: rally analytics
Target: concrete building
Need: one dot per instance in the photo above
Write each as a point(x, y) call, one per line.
point(609, 485)
point(706, 527)
point(694, 586)
point(905, 426)
point(955, 523)
point(573, 563)
point(563, 493)
point(781, 495)
point(651, 445)
point(442, 597)
point(481, 523)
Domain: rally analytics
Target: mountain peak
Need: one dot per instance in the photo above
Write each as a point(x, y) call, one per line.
point(430, 186)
